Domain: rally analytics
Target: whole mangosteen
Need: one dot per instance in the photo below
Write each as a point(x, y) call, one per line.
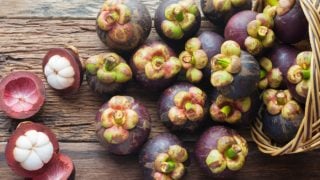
point(290, 23)
point(234, 111)
point(63, 69)
point(251, 30)
point(123, 125)
point(235, 73)
point(107, 73)
point(183, 107)
point(219, 12)
point(195, 59)
point(164, 157)
point(123, 24)
point(33, 152)
point(22, 94)
point(155, 66)
point(299, 77)
point(177, 20)
point(221, 152)
point(281, 115)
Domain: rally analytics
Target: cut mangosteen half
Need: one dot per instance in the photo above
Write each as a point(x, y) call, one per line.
point(22, 94)
point(63, 70)
point(31, 149)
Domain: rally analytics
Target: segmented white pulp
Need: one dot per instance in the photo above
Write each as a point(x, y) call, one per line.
point(33, 150)
point(59, 72)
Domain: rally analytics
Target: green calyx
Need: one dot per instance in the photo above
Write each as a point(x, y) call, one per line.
point(226, 110)
point(224, 62)
point(172, 29)
point(194, 75)
point(231, 153)
point(263, 73)
point(272, 2)
point(168, 167)
point(92, 68)
point(305, 74)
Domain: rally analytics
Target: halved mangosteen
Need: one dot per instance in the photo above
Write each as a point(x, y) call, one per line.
point(251, 30)
point(183, 107)
point(235, 73)
point(123, 24)
point(63, 69)
point(22, 94)
point(177, 20)
point(195, 59)
point(164, 157)
point(31, 149)
point(281, 115)
point(155, 66)
point(234, 111)
point(107, 73)
point(221, 152)
point(290, 23)
point(299, 76)
point(220, 11)
point(123, 125)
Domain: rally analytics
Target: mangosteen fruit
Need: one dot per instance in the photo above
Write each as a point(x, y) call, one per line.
point(270, 76)
point(219, 12)
point(123, 24)
point(299, 76)
point(32, 151)
point(164, 157)
point(251, 30)
point(183, 107)
point(235, 73)
point(281, 115)
point(62, 69)
point(22, 94)
point(107, 73)
point(123, 125)
point(221, 152)
point(282, 58)
point(290, 23)
point(198, 51)
point(155, 66)
point(234, 111)
point(177, 20)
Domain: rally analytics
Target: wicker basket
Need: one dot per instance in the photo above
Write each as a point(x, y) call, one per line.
point(308, 135)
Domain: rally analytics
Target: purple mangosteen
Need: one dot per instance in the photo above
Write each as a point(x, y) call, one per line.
point(195, 59)
point(183, 107)
point(163, 158)
point(123, 125)
point(155, 66)
point(235, 73)
point(177, 20)
point(221, 152)
point(281, 115)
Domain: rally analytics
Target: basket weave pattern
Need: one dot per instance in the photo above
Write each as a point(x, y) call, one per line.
point(308, 135)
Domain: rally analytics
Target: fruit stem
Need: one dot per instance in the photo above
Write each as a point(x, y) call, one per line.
point(178, 14)
point(263, 73)
point(262, 31)
point(112, 17)
point(281, 98)
point(188, 106)
point(157, 62)
point(168, 167)
point(118, 117)
point(110, 63)
point(305, 73)
point(233, 151)
point(224, 62)
point(272, 2)
point(226, 110)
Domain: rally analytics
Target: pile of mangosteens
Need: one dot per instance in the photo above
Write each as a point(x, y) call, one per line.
point(213, 84)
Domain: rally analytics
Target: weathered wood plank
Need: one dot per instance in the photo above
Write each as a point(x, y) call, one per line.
point(24, 42)
point(58, 8)
point(92, 162)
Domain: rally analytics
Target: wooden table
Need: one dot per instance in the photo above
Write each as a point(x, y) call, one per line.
point(28, 28)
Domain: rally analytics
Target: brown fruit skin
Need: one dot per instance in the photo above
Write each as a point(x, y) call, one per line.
point(291, 27)
point(140, 76)
point(221, 18)
point(236, 28)
point(102, 88)
point(160, 17)
point(140, 17)
point(158, 144)
point(207, 142)
point(62, 168)
point(166, 101)
point(75, 62)
point(36, 107)
point(137, 135)
point(21, 130)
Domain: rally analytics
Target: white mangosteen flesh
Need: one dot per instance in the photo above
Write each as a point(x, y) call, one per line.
point(59, 72)
point(33, 150)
